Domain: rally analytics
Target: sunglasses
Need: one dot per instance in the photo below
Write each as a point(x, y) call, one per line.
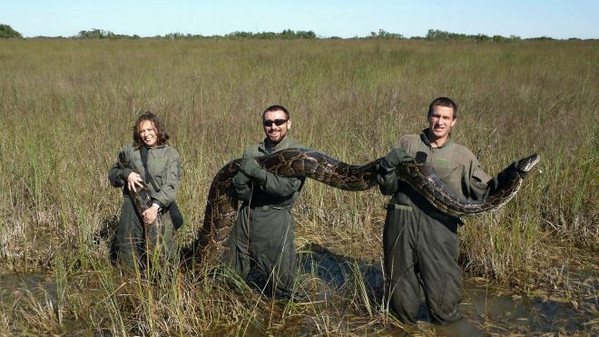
point(277, 122)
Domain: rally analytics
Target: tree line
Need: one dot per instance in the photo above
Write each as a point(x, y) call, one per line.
point(7, 32)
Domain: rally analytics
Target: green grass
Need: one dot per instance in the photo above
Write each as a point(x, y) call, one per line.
point(67, 108)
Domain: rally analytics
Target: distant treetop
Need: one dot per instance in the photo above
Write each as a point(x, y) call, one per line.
point(6, 32)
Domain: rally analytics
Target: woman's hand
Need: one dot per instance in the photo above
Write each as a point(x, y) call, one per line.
point(133, 180)
point(150, 215)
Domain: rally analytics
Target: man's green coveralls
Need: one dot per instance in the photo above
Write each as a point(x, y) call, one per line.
point(263, 235)
point(420, 243)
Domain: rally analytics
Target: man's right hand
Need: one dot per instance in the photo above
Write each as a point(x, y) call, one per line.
point(241, 179)
point(394, 158)
point(241, 186)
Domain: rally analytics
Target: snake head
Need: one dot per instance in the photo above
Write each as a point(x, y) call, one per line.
point(524, 165)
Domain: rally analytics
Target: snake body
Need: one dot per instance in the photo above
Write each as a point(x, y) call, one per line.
point(422, 178)
point(221, 209)
point(142, 200)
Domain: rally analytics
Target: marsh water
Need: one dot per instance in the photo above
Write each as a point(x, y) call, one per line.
point(18, 287)
point(486, 309)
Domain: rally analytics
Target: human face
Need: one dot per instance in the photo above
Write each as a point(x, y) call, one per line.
point(440, 123)
point(276, 133)
point(148, 133)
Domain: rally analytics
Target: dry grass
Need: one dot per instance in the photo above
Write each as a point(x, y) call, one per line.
point(67, 106)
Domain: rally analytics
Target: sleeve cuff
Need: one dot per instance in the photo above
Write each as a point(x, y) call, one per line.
point(260, 176)
point(125, 174)
point(385, 168)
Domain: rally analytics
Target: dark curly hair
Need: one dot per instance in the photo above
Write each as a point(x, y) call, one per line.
point(161, 133)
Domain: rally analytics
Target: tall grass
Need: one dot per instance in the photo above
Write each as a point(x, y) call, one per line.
point(67, 108)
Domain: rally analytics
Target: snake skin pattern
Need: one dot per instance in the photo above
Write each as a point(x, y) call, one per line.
point(221, 209)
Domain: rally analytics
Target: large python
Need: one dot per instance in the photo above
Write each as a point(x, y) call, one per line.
point(221, 209)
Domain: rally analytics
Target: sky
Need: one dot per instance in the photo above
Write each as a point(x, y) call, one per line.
point(559, 19)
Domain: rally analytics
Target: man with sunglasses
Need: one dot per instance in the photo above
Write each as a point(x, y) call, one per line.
point(263, 235)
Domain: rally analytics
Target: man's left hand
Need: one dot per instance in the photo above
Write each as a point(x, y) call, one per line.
point(394, 158)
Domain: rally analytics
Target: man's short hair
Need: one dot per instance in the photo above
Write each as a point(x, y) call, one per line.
point(276, 108)
point(445, 102)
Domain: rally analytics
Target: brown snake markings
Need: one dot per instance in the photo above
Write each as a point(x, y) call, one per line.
point(221, 209)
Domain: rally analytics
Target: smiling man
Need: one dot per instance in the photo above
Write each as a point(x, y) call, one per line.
point(263, 235)
point(420, 244)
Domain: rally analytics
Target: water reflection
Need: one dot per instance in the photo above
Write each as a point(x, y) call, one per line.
point(486, 309)
point(14, 286)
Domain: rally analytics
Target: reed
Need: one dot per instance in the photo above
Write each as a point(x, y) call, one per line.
point(67, 107)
